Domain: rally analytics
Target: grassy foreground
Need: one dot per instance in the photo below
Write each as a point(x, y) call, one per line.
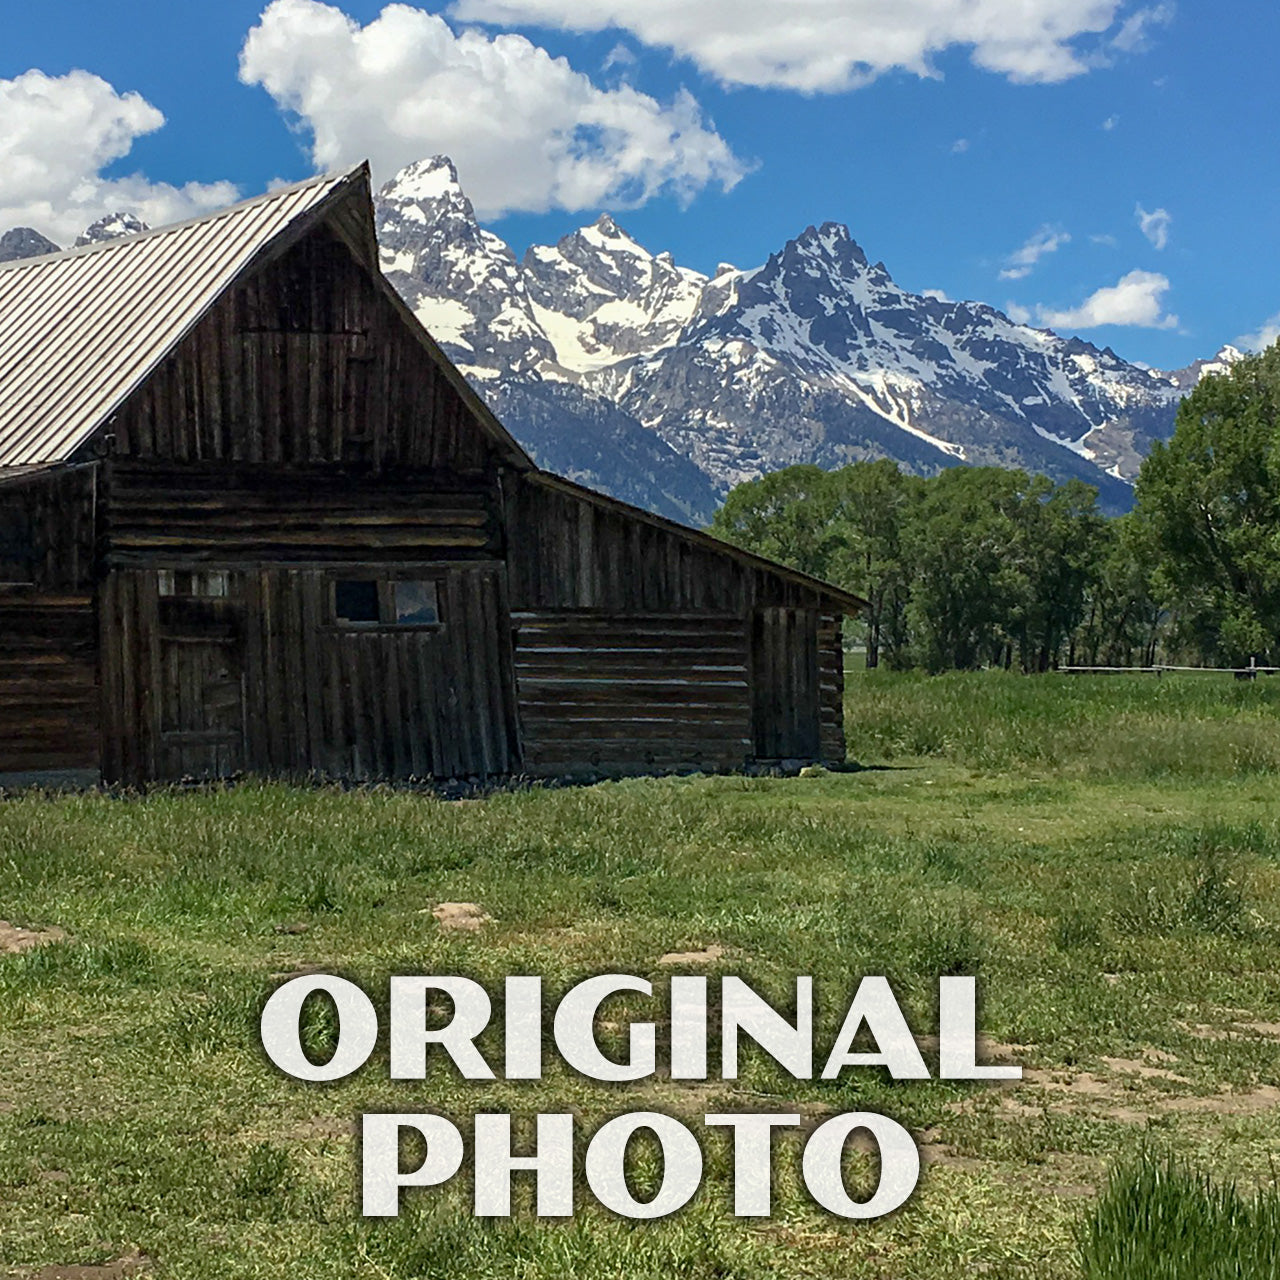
point(1103, 853)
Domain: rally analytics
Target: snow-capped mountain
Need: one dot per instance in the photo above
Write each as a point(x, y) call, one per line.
point(600, 297)
point(112, 227)
point(1185, 379)
point(816, 356)
point(819, 356)
point(494, 317)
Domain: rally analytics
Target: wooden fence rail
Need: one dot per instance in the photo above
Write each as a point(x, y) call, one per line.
point(1241, 673)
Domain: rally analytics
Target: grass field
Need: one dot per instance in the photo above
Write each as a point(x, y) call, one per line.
point(1103, 853)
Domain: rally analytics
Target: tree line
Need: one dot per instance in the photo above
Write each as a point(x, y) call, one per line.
point(984, 566)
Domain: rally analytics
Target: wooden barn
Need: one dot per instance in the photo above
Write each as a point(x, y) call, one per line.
point(252, 520)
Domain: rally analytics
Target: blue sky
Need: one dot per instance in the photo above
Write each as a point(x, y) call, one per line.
point(1106, 167)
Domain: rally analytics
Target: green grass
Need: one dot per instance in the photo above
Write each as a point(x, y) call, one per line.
point(1175, 727)
point(1103, 853)
point(1159, 1220)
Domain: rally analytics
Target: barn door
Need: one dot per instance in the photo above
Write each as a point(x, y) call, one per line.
point(200, 698)
point(784, 684)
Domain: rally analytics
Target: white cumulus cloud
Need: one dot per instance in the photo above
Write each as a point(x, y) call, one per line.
point(526, 131)
point(59, 133)
point(1135, 299)
point(1262, 337)
point(832, 45)
point(1154, 225)
point(1021, 262)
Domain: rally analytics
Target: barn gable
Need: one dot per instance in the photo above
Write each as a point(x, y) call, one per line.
point(265, 333)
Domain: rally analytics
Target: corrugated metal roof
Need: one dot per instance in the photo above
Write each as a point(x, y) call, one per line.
point(80, 330)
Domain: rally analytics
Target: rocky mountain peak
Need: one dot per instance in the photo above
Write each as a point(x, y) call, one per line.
point(24, 242)
point(462, 281)
point(1186, 378)
point(432, 179)
point(111, 227)
point(831, 241)
point(609, 229)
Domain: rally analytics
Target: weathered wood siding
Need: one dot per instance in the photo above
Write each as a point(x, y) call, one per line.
point(265, 680)
point(48, 634)
point(305, 362)
point(784, 684)
point(640, 647)
point(632, 692)
point(301, 431)
point(228, 514)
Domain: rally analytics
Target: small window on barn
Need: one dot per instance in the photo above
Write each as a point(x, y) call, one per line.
point(417, 604)
point(388, 604)
point(17, 549)
point(355, 602)
point(191, 585)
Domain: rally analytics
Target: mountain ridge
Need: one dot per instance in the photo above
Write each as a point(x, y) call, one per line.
point(665, 386)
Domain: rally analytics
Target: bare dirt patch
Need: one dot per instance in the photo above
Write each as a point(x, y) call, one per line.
point(461, 917)
point(989, 1051)
point(130, 1264)
point(1251, 1102)
point(14, 939)
point(1130, 1090)
point(1143, 1070)
point(709, 955)
point(1244, 1026)
point(327, 1128)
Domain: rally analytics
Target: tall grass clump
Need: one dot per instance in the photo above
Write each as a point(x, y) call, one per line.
point(1158, 1219)
point(1206, 887)
point(1187, 726)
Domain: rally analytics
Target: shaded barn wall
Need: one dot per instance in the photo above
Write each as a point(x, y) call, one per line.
point(48, 635)
point(264, 679)
point(298, 436)
point(638, 647)
point(307, 361)
point(831, 687)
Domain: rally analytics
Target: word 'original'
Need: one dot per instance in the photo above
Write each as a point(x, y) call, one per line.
point(415, 1028)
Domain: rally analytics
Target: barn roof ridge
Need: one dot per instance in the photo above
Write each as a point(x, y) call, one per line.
point(104, 246)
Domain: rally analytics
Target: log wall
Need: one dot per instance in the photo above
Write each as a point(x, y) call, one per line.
point(48, 631)
point(227, 514)
point(640, 646)
point(633, 692)
point(265, 680)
